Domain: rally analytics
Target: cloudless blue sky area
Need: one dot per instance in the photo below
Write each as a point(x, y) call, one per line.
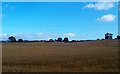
point(57, 18)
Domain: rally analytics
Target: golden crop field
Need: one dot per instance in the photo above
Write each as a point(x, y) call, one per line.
point(90, 56)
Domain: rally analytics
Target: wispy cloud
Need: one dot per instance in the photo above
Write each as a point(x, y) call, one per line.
point(8, 6)
point(69, 34)
point(107, 18)
point(37, 36)
point(107, 0)
point(33, 36)
point(100, 5)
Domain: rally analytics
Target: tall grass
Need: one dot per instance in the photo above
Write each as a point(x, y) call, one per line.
point(92, 56)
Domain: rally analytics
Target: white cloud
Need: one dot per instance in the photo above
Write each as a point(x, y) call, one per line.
point(89, 5)
point(100, 5)
point(108, 0)
point(107, 18)
point(69, 34)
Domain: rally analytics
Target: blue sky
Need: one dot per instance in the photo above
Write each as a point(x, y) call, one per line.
point(45, 20)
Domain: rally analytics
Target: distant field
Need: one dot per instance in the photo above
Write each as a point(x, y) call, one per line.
point(90, 56)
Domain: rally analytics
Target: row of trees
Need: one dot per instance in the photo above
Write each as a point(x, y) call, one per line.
point(110, 35)
point(13, 39)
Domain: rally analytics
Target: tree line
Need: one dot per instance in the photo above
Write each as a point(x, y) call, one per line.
point(66, 39)
point(13, 39)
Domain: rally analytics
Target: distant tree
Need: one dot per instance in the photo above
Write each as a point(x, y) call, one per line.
point(12, 39)
point(82, 41)
point(26, 40)
point(20, 40)
point(73, 41)
point(118, 37)
point(88, 40)
point(3, 41)
point(66, 39)
point(102, 39)
point(51, 40)
point(55, 40)
point(59, 39)
point(108, 36)
point(98, 39)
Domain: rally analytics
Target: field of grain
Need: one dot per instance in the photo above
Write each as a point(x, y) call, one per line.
point(90, 56)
